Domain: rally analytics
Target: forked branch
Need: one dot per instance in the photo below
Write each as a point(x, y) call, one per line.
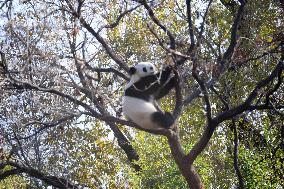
point(50, 180)
point(229, 114)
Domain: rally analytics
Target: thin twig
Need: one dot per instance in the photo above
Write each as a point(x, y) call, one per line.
point(100, 39)
point(114, 24)
point(157, 22)
point(205, 95)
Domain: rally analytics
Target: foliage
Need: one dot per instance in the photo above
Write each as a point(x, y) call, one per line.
point(63, 68)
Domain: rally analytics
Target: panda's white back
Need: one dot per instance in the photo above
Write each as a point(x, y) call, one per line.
point(140, 112)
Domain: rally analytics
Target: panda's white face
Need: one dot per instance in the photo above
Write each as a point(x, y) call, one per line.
point(144, 69)
point(139, 71)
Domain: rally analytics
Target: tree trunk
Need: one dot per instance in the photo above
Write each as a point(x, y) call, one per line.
point(186, 168)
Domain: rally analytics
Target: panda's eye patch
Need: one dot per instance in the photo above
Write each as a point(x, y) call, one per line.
point(151, 68)
point(144, 69)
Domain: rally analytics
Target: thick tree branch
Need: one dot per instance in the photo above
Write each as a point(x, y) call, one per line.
point(8, 173)
point(50, 180)
point(125, 145)
point(25, 85)
point(236, 165)
point(276, 73)
point(190, 26)
point(275, 88)
point(234, 37)
point(229, 114)
point(188, 171)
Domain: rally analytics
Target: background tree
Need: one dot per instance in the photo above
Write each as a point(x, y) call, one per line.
point(63, 69)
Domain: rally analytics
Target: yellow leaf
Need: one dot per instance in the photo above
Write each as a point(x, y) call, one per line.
point(269, 39)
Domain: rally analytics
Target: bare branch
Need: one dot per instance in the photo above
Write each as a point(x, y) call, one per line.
point(113, 25)
point(276, 73)
point(229, 114)
point(178, 106)
point(47, 125)
point(18, 148)
point(236, 166)
point(169, 50)
point(50, 180)
point(125, 145)
point(203, 23)
point(230, 50)
point(108, 70)
point(25, 85)
point(157, 22)
point(221, 98)
point(4, 3)
point(74, 56)
point(190, 25)
point(205, 95)
point(103, 42)
point(80, 5)
point(226, 57)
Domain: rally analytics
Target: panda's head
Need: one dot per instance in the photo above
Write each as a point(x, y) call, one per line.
point(143, 69)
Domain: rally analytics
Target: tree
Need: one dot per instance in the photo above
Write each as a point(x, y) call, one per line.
point(63, 68)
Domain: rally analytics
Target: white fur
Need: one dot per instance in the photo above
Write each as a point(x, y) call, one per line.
point(139, 72)
point(139, 111)
point(134, 78)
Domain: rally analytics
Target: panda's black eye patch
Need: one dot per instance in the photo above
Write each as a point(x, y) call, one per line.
point(144, 69)
point(151, 68)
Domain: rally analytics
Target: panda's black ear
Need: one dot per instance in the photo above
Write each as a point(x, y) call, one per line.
point(132, 70)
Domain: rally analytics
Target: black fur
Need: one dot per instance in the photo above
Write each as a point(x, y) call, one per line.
point(149, 86)
point(164, 119)
point(132, 70)
point(154, 87)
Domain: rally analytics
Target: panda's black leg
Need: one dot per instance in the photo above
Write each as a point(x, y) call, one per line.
point(164, 119)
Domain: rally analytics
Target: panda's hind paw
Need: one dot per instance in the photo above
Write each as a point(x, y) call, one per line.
point(164, 119)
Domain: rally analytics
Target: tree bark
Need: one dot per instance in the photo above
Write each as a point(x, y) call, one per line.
point(185, 166)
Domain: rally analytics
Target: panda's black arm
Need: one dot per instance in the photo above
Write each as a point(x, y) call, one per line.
point(164, 90)
point(152, 80)
point(151, 85)
point(164, 75)
point(157, 86)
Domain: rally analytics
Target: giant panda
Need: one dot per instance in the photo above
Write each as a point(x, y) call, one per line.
point(144, 88)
